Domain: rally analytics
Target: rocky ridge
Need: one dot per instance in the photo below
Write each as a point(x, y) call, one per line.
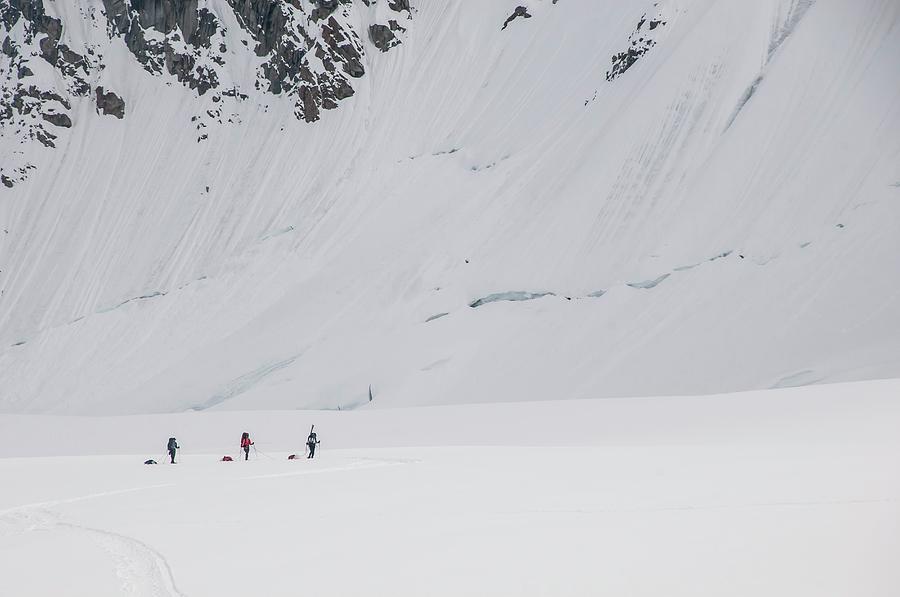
point(640, 41)
point(307, 50)
point(310, 51)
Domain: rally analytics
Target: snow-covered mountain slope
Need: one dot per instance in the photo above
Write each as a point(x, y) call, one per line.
point(599, 198)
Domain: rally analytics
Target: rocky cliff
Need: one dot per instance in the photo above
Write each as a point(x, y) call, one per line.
point(308, 50)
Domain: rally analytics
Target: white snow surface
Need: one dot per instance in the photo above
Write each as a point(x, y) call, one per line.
point(789, 492)
point(734, 193)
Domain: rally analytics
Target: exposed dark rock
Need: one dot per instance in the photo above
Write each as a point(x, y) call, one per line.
point(45, 137)
point(324, 9)
point(342, 89)
point(382, 36)
point(50, 95)
point(60, 119)
point(207, 27)
point(399, 5)
point(639, 44)
point(50, 44)
point(29, 109)
point(338, 41)
point(9, 48)
point(265, 21)
point(177, 20)
point(311, 51)
point(285, 32)
point(519, 12)
point(308, 104)
point(109, 103)
point(287, 45)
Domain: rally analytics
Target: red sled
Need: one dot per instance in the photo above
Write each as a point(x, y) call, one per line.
point(227, 459)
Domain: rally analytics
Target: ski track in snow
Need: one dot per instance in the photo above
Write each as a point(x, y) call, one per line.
point(358, 463)
point(90, 496)
point(142, 569)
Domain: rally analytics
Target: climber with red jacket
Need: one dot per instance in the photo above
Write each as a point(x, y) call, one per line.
point(245, 445)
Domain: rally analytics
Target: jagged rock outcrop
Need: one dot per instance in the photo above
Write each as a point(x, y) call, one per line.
point(639, 43)
point(399, 5)
point(185, 48)
point(384, 37)
point(60, 120)
point(310, 50)
point(520, 12)
point(34, 108)
point(109, 103)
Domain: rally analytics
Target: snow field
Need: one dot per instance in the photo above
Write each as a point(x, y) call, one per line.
point(789, 492)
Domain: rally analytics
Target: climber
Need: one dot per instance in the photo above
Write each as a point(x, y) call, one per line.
point(311, 442)
point(171, 447)
point(245, 445)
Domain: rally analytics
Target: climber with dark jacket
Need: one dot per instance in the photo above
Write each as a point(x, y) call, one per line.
point(171, 447)
point(311, 442)
point(245, 445)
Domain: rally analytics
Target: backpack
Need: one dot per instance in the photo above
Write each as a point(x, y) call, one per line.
point(173, 445)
